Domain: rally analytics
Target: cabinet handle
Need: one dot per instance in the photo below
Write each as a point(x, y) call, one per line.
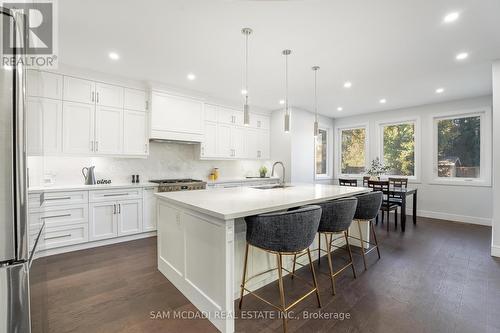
point(258, 123)
point(58, 198)
point(114, 209)
point(92, 96)
point(60, 236)
point(145, 147)
point(147, 105)
point(91, 145)
point(202, 151)
point(115, 195)
point(119, 208)
point(98, 98)
point(97, 146)
point(54, 216)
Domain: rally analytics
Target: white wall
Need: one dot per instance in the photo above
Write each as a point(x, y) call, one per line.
point(472, 204)
point(495, 242)
point(166, 160)
point(296, 148)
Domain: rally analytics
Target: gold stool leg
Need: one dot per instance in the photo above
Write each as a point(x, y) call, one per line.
point(293, 268)
point(244, 277)
point(282, 292)
point(350, 253)
point(375, 238)
point(330, 264)
point(362, 244)
point(314, 277)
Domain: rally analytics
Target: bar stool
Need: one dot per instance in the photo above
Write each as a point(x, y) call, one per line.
point(336, 218)
point(367, 210)
point(282, 233)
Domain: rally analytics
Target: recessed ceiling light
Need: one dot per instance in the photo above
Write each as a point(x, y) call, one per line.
point(114, 56)
point(244, 91)
point(462, 56)
point(439, 90)
point(191, 76)
point(282, 101)
point(451, 17)
point(348, 84)
point(383, 101)
point(340, 108)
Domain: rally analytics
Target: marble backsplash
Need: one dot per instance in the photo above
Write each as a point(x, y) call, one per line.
point(166, 160)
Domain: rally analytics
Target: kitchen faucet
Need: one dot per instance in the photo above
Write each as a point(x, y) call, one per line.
point(283, 166)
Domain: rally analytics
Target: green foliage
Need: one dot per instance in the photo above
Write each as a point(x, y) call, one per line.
point(460, 137)
point(399, 149)
point(353, 151)
point(263, 170)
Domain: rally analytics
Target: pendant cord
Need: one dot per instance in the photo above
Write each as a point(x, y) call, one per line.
point(316, 94)
point(286, 84)
point(246, 67)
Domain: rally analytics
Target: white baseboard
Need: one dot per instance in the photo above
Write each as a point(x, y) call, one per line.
point(452, 217)
point(88, 245)
point(495, 250)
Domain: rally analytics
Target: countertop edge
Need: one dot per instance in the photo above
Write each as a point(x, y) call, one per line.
point(97, 187)
point(259, 210)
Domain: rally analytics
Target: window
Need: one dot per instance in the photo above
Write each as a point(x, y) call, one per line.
point(398, 148)
point(352, 151)
point(321, 153)
point(461, 148)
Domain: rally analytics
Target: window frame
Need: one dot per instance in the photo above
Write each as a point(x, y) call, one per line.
point(329, 143)
point(417, 156)
point(485, 162)
point(338, 149)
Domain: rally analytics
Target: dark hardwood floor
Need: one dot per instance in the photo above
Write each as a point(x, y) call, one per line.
point(436, 277)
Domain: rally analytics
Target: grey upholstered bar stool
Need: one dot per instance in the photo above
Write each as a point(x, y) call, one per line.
point(366, 211)
point(336, 218)
point(282, 233)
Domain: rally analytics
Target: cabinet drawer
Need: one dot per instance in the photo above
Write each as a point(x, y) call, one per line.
point(51, 199)
point(118, 194)
point(60, 216)
point(64, 236)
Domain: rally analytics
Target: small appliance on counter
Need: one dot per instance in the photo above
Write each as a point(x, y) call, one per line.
point(89, 176)
point(172, 185)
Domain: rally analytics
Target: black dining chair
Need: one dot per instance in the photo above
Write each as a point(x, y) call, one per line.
point(387, 206)
point(365, 180)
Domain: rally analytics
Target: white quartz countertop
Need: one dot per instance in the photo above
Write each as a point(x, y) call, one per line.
point(231, 203)
point(82, 187)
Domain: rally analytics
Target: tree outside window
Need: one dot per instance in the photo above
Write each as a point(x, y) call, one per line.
point(459, 147)
point(321, 153)
point(399, 149)
point(353, 143)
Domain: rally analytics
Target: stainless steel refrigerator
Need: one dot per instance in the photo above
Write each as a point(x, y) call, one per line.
point(19, 310)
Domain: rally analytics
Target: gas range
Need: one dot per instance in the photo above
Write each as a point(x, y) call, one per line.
point(172, 185)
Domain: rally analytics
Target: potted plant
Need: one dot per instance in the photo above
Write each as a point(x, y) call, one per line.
point(377, 169)
point(263, 171)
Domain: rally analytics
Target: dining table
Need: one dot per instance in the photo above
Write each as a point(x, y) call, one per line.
point(402, 193)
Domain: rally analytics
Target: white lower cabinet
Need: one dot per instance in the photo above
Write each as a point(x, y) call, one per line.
point(129, 217)
point(149, 207)
point(103, 221)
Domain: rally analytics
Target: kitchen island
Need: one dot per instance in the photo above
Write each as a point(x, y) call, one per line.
point(201, 240)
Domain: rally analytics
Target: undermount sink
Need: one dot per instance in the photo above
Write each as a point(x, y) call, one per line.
point(270, 187)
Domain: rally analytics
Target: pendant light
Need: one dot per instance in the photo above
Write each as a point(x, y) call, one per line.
point(246, 108)
point(316, 126)
point(286, 53)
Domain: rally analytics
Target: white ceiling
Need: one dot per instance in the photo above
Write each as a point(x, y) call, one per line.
point(394, 49)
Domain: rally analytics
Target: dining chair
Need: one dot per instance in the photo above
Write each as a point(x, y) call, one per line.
point(387, 205)
point(398, 183)
point(348, 182)
point(365, 180)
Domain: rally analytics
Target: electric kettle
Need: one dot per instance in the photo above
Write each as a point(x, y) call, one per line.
point(89, 175)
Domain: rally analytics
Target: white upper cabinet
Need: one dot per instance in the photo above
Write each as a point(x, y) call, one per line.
point(238, 142)
point(78, 128)
point(44, 124)
point(79, 90)
point(259, 121)
point(230, 116)
point(135, 135)
point(224, 147)
point(209, 144)
point(44, 84)
point(176, 118)
point(108, 130)
point(108, 95)
point(134, 99)
point(210, 112)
